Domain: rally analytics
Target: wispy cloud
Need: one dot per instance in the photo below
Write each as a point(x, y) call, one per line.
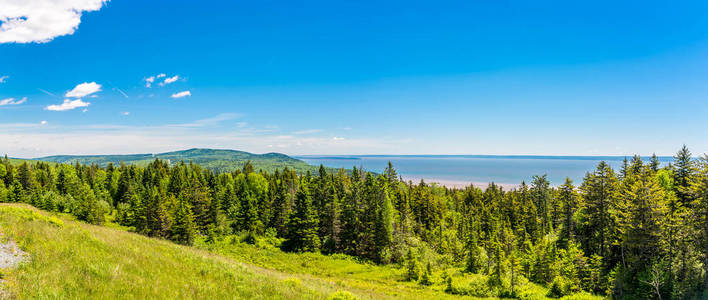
point(121, 92)
point(209, 121)
point(125, 113)
point(68, 105)
point(48, 93)
point(181, 94)
point(83, 90)
point(40, 21)
point(4, 78)
point(12, 101)
point(35, 139)
point(308, 131)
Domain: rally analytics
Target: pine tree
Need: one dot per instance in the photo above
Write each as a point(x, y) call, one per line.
point(302, 230)
point(569, 203)
point(427, 278)
point(183, 228)
point(412, 266)
point(639, 224)
point(598, 191)
point(475, 257)
point(699, 191)
point(282, 208)
point(383, 235)
point(683, 172)
point(157, 221)
point(350, 216)
point(654, 163)
point(541, 194)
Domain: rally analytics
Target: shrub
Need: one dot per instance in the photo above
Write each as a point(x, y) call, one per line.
point(478, 287)
point(559, 288)
point(342, 295)
point(427, 278)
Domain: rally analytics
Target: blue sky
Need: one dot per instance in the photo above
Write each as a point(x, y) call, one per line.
point(320, 77)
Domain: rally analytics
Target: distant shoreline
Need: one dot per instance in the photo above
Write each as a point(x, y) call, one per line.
point(461, 184)
point(485, 156)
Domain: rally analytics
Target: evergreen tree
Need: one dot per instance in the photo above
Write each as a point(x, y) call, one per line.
point(654, 163)
point(541, 194)
point(350, 216)
point(569, 203)
point(302, 230)
point(639, 225)
point(699, 190)
point(683, 173)
point(412, 266)
point(183, 229)
point(598, 191)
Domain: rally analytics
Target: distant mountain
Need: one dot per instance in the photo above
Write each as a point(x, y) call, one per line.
point(214, 159)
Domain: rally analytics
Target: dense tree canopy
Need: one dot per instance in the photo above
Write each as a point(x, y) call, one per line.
point(638, 233)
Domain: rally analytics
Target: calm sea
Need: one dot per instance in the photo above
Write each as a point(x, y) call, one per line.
point(458, 170)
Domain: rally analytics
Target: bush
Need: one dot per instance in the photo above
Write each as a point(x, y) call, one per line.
point(342, 295)
point(559, 288)
point(478, 287)
point(249, 238)
point(427, 278)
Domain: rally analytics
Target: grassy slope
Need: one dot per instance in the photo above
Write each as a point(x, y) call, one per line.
point(71, 259)
point(214, 159)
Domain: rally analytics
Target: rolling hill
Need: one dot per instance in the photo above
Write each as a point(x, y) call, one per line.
point(217, 160)
point(73, 260)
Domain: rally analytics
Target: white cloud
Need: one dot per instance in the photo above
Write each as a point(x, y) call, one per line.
point(149, 81)
point(152, 79)
point(169, 80)
point(68, 105)
point(85, 110)
point(12, 101)
point(337, 138)
point(126, 113)
point(4, 78)
point(40, 21)
point(83, 90)
point(181, 94)
point(43, 123)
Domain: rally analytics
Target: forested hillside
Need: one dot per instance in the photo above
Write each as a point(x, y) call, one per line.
point(640, 232)
point(215, 160)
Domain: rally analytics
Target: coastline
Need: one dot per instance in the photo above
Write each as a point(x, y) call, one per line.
point(461, 184)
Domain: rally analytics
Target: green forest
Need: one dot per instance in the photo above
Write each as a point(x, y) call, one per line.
point(216, 160)
point(639, 232)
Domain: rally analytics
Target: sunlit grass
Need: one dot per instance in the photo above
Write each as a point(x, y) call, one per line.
point(77, 261)
point(73, 260)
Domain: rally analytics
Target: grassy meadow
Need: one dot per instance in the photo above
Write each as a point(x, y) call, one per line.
point(71, 259)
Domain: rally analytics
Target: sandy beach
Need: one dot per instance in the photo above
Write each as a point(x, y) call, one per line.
point(462, 184)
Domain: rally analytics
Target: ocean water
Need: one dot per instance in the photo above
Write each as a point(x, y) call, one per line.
point(459, 170)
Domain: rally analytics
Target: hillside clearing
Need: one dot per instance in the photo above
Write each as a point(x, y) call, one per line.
point(71, 259)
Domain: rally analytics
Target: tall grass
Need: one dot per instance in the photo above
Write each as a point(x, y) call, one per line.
point(70, 260)
point(73, 260)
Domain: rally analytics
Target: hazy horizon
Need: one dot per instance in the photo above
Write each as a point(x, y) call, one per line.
point(354, 155)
